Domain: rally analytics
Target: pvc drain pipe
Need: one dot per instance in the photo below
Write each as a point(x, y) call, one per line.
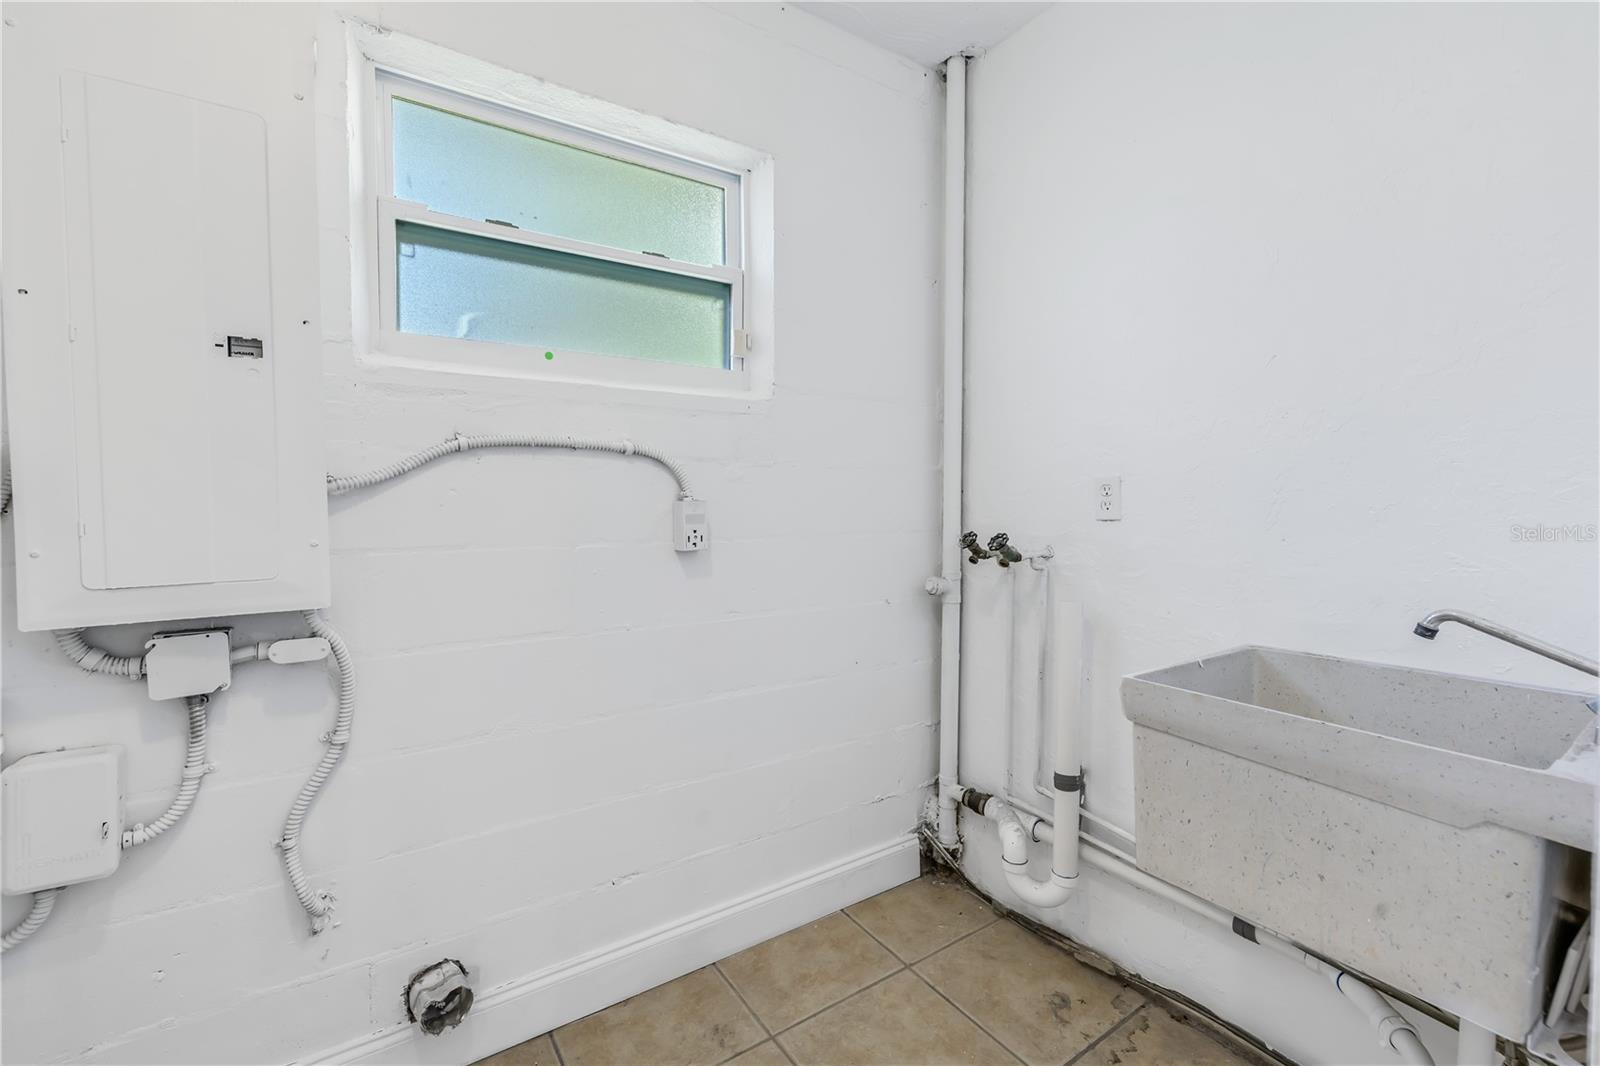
point(1061, 681)
point(1475, 1046)
point(1395, 1034)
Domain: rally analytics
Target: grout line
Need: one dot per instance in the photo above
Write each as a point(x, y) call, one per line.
point(1105, 1035)
point(856, 922)
point(923, 958)
point(790, 1028)
point(1222, 1032)
point(953, 943)
point(981, 1027)
point(717, 966)
point(556, 1046)
point(936, 991)
point(446, 647)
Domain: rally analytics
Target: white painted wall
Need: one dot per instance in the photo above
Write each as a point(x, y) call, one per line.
point(569, 737)
point(1319, 282)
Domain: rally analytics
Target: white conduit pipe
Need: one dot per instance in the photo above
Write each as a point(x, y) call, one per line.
point(948, 585)
point(319, 905)
point(95, 660)
point(43, 902)
point(195, 768)
point(464, 443)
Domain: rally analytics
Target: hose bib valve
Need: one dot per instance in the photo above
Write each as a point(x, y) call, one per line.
point(1000, 547)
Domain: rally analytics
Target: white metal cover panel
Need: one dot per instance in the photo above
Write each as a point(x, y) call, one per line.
point(63, 818)
point(168, 256)
point(155, 477)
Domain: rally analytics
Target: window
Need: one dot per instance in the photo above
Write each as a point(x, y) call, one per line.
point(511, 241)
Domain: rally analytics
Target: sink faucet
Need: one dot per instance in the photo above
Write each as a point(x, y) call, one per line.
point(1428, 628)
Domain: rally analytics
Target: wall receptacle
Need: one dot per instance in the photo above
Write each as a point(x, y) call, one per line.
point(691, 526)
point(1108, 498)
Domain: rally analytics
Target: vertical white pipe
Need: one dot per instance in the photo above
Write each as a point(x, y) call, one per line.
point(1024, 595)
point(1063, 641)
point(1065, 622)
point(1475, 1046)
point(953, 296)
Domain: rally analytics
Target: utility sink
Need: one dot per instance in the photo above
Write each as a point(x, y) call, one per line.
point(1414, 825)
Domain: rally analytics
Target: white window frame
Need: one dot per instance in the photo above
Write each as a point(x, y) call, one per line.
point(384, 67)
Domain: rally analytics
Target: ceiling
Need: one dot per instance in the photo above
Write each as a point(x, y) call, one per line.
point(927, 33)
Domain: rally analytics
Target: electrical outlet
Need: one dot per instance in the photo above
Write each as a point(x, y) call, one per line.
point(691, 526)
point(1108, 499)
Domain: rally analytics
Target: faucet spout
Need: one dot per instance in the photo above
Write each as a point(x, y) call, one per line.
point(1428, 628)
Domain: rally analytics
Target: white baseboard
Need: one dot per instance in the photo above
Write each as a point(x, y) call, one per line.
point(524, 1008)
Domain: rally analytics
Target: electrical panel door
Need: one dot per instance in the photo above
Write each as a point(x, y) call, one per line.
point(168, 270)
point(175, 486)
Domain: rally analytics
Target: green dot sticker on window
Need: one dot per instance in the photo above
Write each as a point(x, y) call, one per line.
point(549, 355)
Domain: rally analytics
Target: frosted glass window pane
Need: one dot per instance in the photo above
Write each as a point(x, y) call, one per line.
point(477, 288)
point(461, 166)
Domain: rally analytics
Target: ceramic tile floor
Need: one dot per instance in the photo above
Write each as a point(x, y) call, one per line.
point(924, 973)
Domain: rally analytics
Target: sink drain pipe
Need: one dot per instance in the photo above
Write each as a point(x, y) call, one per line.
point(1015, 835)
point(1395, 1034)
point(1062, 833)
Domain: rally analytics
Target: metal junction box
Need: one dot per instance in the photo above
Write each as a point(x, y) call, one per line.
point(62, 818)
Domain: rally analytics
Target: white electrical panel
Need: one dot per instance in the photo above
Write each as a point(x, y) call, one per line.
point(61, 813)
point(162, 354)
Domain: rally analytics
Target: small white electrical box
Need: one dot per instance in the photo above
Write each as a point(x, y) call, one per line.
point(187, 664)
point(691, 525)
point(62, 818)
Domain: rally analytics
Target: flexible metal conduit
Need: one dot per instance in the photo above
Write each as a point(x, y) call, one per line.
point(96, 660)
point(337, 486)
point(319, 905)
point(195, 768)
point(43, 902)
